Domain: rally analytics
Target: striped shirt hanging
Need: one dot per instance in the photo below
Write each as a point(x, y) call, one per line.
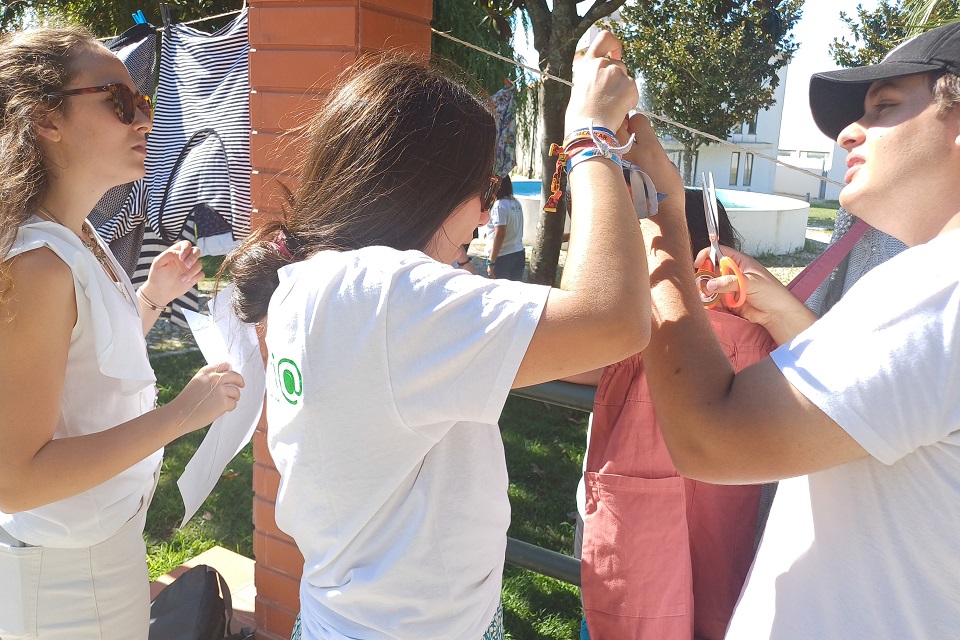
point(204, 87)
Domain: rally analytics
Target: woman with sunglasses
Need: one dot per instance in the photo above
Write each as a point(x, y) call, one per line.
point(80, 437)
point(388, 368)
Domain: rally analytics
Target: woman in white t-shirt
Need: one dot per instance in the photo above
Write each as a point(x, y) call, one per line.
point(388, 367)
point(506, 257)
point(80, 438)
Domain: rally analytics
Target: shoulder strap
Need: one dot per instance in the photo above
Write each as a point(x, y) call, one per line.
point(807, 281)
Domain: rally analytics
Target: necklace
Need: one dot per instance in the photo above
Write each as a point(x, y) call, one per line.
point(91, 243)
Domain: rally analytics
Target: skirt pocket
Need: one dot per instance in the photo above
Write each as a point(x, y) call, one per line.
point(19, 586)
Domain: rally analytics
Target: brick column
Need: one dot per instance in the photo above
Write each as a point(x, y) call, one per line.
point(297, 50)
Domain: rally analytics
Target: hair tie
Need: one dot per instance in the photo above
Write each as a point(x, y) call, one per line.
point(279, 243)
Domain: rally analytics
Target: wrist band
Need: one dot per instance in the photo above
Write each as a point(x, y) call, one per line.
point(590, 154)
point(584, 132)
point(491, 263)
point(147, 301)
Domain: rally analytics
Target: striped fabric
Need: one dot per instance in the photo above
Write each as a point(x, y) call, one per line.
point(120, 216)
point(198, 153)
point(203, 85)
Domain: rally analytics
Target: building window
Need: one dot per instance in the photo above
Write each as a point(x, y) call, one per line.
point(748, 170)
point(734, 167)
point(752, 125)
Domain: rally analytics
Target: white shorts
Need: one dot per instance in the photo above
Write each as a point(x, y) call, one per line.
point(91, 593)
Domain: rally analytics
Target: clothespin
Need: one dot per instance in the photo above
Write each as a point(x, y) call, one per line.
point(165, 14)
point(139, 18)
point(507, 82)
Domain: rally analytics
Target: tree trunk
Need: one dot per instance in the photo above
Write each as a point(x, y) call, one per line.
point(553, 105)
point(688, 151)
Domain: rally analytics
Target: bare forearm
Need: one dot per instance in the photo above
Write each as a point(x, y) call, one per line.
point(606, 259)
point(65, 467)
point(499, 234)
point(688, 373)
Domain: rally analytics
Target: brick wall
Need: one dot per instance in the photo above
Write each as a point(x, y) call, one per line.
point(297, 50)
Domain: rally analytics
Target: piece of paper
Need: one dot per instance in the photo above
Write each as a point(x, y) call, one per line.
point(221, 337)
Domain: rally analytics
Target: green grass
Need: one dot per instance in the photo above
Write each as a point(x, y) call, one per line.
point(544, 448)
point(225, 519)
point(823, 214)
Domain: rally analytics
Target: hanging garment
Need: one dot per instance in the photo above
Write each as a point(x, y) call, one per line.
point(199, 149)
point(198, 154)
point(504, 102)
point(121, 214)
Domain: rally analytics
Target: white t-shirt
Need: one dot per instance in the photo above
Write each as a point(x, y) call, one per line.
point(871, 549)
point(506, 213)
point(387, 374)
point(108, 381)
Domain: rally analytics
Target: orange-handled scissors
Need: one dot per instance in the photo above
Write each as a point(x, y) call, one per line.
point(717, 264)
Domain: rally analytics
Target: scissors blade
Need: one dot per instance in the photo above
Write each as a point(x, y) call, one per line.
point(711, 214)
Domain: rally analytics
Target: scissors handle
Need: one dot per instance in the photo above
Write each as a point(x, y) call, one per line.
point(729, 268)
point(704, 273)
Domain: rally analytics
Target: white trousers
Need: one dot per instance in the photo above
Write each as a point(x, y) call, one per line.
point(92, 593)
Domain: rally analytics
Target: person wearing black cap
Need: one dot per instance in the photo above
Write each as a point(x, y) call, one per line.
point(860, 409)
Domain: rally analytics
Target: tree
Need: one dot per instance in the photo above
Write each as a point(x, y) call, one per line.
point(923, 15)
point(707, 64)
point(555, 35)
point(874, 33)
point(467, 21)
point(111, 17)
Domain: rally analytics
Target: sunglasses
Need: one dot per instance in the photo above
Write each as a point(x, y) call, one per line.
point(489, 195)
point(125, 101)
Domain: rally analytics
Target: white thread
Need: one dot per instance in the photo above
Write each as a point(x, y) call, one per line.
point(664, 119)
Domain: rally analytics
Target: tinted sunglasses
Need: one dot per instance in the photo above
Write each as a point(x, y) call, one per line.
point(489, 195)
point(125, 101)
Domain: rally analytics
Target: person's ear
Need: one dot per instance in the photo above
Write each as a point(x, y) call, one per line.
point(46, 124)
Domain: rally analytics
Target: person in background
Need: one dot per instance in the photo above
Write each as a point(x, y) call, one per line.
point(506, 257)
point(81, 439)
point(389, 368)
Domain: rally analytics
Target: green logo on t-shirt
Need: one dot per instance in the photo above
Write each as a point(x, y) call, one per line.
point(289, 380)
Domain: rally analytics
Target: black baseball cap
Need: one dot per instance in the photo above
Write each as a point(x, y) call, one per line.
point(836, 97)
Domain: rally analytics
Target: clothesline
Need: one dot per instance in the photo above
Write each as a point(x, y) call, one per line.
point(207, 18)
point(543, 75)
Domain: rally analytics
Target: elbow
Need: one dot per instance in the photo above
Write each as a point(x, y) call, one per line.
point(15, 496)
point(628, 331)
point(699, 463)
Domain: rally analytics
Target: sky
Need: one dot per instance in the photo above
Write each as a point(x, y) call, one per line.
point(814, 32)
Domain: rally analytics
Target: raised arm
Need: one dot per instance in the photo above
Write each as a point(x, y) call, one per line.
point(601, 312)
point(35, 333)
point(719, 427)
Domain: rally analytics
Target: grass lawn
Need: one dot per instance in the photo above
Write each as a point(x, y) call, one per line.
point(823, 214)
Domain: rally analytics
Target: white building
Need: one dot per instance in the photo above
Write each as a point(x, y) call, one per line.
point(740, 169)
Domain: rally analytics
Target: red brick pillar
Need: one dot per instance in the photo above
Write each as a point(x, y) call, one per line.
point(297, 49)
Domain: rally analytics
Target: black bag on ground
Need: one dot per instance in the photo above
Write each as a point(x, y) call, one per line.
point(195, 606)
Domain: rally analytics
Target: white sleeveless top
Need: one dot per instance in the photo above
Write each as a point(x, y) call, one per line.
point(108, 381)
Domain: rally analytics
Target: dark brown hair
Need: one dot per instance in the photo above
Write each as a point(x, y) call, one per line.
point(697, 223)
point(395, 150)
point(33, 64)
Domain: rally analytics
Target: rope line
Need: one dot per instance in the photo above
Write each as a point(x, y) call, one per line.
point(547, 76)
point(219, 15)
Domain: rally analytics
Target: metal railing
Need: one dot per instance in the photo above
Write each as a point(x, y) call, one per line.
point(525, 555)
